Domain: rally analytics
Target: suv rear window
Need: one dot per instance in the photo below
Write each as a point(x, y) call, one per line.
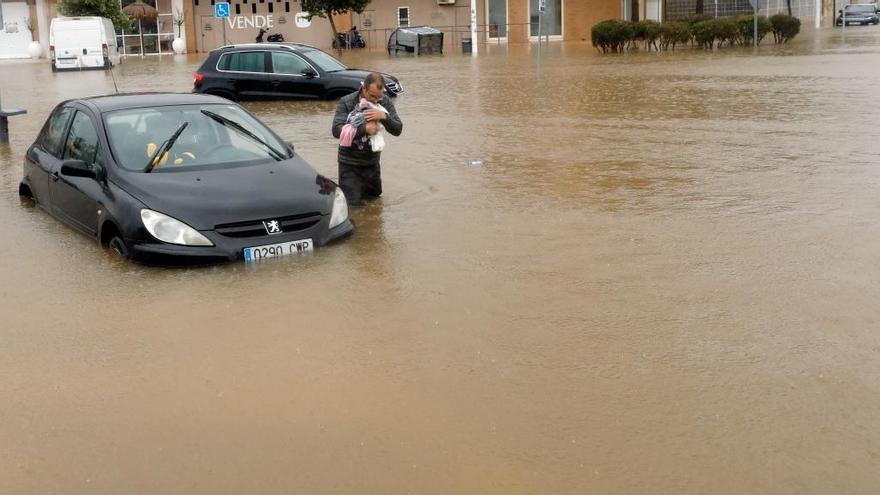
point(243, 62)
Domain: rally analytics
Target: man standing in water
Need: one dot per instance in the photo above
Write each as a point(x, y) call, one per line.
point(359, 173)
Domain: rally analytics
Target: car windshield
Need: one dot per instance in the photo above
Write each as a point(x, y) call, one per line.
point(210, 137)
point(326, 62)
point(861, 9)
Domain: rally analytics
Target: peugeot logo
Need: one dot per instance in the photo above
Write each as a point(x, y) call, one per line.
point(272, 227)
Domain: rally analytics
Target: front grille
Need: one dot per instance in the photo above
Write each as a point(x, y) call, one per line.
point(256, 228)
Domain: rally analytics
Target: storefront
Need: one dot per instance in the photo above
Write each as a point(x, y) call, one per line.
point(153, 37)
point(248, 17)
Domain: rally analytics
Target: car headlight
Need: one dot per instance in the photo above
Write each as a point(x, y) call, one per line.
point(171, 230)
point(340, 209)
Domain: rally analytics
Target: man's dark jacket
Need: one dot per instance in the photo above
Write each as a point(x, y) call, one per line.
point(352, 155)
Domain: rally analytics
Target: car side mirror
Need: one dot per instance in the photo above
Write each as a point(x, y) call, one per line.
point(309, 73)
point(77, 168)
point(290, 147)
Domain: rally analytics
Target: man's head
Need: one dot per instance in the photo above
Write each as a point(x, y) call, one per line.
point(373, 87)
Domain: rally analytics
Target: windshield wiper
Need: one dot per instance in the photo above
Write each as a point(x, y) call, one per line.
point(238, 127)
point(164, 148)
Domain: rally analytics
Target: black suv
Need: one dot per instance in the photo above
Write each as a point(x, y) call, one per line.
point(865, 13)
point(279, 70)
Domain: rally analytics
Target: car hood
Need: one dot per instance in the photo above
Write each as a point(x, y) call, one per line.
point(205, 198)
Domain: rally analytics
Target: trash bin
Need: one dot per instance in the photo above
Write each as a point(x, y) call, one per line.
point(466, 46)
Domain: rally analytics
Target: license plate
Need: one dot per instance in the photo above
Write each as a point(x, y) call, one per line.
point(258, 253)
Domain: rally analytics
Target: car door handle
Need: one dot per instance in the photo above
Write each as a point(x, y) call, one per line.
point(55, 176)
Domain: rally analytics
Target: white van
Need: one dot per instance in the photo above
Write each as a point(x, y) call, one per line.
point(82, 43)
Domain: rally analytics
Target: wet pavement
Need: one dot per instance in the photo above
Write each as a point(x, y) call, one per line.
point(662, 279)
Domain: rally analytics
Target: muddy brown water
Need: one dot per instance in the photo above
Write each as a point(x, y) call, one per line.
point(662, 279)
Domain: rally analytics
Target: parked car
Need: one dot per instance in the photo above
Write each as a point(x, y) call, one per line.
point(168, 179)
point(858, 14)
point(77, 43)
point(277, 71)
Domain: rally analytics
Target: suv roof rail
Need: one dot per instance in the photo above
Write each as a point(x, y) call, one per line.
point(265, 44)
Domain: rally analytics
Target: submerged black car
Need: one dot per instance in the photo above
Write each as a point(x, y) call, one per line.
point(279, 71)
point(858, 14)
point(168, 178)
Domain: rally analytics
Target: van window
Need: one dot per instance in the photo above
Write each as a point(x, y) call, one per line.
point(243, 62)
point(50, 139)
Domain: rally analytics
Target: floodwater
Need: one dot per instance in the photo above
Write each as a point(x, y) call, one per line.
point(662, 279)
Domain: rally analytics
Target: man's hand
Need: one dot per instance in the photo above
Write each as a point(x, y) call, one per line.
point(374, 115)
point(372, 128)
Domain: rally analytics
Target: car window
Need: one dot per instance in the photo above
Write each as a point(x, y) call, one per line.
point(286, 63)
point(82, 140)
point(326, 62)
point(50, 140)
point(243, 62)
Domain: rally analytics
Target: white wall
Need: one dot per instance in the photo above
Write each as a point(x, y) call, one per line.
point(14, 36)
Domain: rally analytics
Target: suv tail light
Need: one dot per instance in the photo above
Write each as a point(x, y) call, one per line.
point(52, 52)
point(198, 79)
point(105, 50)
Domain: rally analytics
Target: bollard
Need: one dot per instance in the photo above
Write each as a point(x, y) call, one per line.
point(4, 122)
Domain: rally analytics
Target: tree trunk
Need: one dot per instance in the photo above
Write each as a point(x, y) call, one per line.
point(788, 3)
point(332, 25)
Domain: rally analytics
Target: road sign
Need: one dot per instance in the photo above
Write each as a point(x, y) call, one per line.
point(221, 10)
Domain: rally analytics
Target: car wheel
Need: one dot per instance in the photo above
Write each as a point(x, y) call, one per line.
point(117, 245)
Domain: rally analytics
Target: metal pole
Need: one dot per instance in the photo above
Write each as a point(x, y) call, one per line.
point(818, 14)
point(540, 18)
point(755, 32)
point(223, 22)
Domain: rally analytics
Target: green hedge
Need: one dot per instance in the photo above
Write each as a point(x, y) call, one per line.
point(616, 35)
point(785, 27)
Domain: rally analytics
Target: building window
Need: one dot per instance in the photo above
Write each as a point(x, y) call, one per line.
point(149, 37)
point(253, 8)
point(237, 9)
point(403, 16)
point(287, 6)
point(271, 5)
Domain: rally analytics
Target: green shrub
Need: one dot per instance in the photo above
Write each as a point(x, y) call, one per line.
point(746, 25)
point(674, 33)
point(647, 31)
point(612, 35)
point(705, 33)
point(785, 27)
point(726, 31)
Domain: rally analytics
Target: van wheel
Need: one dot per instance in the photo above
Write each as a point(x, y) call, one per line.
point(117, 245)
point(54, 69)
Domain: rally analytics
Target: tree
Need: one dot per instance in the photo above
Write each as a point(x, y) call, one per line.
point(328, 8)
point(101, 8)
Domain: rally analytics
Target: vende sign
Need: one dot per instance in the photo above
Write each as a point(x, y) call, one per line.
point(254, 21)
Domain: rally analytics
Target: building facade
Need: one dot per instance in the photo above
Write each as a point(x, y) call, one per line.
point(513, 21)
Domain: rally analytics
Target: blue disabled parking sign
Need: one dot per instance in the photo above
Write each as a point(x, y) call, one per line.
point(221, 10)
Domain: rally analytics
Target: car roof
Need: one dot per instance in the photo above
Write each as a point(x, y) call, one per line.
point(297, 47)
point(109, 103)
